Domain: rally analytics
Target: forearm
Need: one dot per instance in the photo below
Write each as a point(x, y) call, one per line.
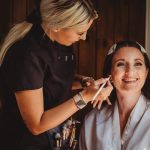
point(76, 85)
point(55, 116)
point(31, 106)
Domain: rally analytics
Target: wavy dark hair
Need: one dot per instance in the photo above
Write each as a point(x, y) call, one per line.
point(108, 66)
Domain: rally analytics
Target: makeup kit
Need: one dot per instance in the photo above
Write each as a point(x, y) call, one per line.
point(65, 137)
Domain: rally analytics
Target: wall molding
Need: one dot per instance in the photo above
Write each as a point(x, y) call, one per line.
point(147, 34)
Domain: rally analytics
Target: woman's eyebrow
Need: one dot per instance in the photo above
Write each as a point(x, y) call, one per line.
point(119, 60)
point(138, 59)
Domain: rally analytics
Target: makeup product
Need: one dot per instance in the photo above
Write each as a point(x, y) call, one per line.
point(58, 139)
point(99, 90)
point(64, 132)
point(72, 136)
point(74, 145)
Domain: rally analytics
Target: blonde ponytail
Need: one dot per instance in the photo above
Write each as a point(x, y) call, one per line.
point(16, 33)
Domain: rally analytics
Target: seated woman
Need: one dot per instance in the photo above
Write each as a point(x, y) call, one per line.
point(125, 125)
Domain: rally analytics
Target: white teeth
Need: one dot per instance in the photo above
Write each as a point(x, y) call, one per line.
point(130, 80)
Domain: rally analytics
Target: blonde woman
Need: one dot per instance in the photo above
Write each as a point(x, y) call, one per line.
point(37, 72)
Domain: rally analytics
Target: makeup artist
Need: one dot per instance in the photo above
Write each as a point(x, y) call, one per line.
point(37, 73)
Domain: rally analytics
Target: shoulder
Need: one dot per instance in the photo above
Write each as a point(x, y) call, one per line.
point(26, 49)
point(91, 115)
point(99, 116)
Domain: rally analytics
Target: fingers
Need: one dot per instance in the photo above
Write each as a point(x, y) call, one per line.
point(87, 81)
point(94, 103)
point(103, 96)
point(108, 101)
point(98, 103)
point(101, 81)
point(90, 81)
point(92, 90)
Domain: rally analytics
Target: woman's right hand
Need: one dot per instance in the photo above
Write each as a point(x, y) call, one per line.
point(89, 92)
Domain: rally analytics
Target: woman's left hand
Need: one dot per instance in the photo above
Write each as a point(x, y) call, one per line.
point(103, 96)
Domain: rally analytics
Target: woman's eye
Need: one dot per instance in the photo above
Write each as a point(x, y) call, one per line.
point(138, 64)
point(80, 34)
point(120, 64)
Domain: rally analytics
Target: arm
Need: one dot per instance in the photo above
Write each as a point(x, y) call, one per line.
point(31, 106)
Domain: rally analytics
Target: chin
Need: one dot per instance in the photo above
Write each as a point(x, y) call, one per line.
point(65, 44)
point(68, 44)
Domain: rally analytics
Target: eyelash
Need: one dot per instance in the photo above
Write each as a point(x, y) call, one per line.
point(80, 34)
point(120, 64)
point(123, 64)
point(138, 64)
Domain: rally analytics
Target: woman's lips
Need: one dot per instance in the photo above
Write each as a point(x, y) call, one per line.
point(129, 80)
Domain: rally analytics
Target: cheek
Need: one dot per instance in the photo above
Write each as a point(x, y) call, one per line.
point(117, 77)
point(71, 37)
point(116, 74)
point(143, 74)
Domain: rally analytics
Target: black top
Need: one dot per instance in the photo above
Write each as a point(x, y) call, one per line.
point(32, 63)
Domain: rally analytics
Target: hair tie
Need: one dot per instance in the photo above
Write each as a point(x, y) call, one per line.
point(113, 48)
point(34, 17)
point(142, 48)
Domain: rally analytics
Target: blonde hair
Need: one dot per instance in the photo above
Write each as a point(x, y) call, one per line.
point(16, 33)
point(67, 13)
point(56, 14)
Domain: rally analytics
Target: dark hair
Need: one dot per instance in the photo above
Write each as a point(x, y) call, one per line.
point(108, 65)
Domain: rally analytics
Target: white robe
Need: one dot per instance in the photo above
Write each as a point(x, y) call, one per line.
point(101, 129)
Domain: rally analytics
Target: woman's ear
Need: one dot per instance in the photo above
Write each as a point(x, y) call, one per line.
point(147, 72)
point(111, 80)
point(56, 30)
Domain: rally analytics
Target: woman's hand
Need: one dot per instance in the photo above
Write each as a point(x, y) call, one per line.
point(89, 92)
point(103, 95)
point(87, 81)
point(81, 82)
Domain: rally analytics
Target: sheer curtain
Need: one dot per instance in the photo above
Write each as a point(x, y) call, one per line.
point(147, 34)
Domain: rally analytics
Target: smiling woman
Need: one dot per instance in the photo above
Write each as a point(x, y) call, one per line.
point(128, 47)
point(128, 64)
point(128, 70)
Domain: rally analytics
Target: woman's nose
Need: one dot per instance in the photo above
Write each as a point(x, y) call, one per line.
point(83, 36)
point(129, 70)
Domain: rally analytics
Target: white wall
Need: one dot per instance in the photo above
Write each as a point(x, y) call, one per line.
point(147, 38)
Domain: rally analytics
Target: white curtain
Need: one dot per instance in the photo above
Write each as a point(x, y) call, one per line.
point(147, 34)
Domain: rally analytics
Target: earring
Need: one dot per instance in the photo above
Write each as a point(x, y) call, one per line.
point(56, 30)
point(110, 79)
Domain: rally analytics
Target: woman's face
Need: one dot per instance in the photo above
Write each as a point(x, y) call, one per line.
point(69, 36)
point(128, 70)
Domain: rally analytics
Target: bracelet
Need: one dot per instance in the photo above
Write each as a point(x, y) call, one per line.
point(79, 101)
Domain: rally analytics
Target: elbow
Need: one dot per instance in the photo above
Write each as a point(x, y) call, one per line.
point(39, 130)
point(36, 130)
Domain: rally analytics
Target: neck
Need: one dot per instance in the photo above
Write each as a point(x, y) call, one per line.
point(47, 31)
point(127, 101)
